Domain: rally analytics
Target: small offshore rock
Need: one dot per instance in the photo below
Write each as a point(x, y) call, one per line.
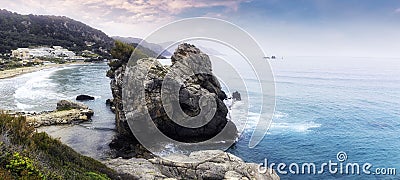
point(110, 102)
point(84, 98)
point(236, 96)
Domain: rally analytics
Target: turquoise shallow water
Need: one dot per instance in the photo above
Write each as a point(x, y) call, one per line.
point(325, 106)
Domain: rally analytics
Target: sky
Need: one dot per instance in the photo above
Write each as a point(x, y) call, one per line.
point(350, 28)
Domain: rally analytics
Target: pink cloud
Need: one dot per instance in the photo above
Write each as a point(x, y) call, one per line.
point(97, 13)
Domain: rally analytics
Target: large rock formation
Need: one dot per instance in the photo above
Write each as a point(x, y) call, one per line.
point(222, 166)
point(192, 88)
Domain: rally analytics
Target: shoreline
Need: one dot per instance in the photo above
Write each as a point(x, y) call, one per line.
point(10, 73)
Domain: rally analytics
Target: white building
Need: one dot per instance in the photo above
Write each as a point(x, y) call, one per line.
point(62, 52)
point(54, 52)
point(21, 53)
point(40, 52)
point(57, 47)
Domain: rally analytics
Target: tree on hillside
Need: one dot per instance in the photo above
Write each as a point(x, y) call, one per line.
point(123, 51)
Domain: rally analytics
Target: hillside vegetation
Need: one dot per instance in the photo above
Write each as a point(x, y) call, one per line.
point(36, 30)
point(26, 154)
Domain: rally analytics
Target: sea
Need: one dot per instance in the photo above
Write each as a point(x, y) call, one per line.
point(328, 107)
point(328, 110)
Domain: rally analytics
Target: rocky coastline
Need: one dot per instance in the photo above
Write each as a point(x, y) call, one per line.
point(134, 160)
point(222, 165)
point(131, 160)
point(67, 112)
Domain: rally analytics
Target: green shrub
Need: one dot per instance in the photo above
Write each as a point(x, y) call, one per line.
point(26, 154)
point(95, 176)
point(21, 166)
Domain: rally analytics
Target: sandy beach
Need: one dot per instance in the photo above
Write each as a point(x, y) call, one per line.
point(24, 70)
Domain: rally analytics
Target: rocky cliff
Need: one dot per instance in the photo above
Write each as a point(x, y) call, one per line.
point(193, 87)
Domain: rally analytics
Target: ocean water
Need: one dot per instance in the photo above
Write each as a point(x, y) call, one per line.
point(323, 106)
point(40, 91)
point(329, 105)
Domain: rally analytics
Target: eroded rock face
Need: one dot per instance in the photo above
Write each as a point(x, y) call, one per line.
point(124, 143)
point(192, 70)
point(220, 165)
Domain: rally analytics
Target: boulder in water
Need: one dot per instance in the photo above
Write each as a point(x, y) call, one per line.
point(84, 98)
point(110, 102)
point(236, 96)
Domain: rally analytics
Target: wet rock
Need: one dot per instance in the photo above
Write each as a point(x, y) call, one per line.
point(84, 98)
point(236, 96)
point(110, 102)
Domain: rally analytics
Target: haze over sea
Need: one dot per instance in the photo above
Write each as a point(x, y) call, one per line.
point(323, 106)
